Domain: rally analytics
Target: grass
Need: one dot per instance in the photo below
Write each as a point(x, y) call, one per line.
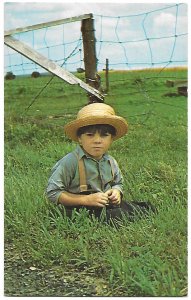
point(144, 258)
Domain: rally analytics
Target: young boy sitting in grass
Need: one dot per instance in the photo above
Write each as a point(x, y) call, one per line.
point(89, 177)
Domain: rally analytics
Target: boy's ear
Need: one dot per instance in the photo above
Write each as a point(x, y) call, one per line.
point(79, 140)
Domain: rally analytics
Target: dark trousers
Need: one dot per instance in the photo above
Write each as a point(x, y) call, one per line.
point(130, 210)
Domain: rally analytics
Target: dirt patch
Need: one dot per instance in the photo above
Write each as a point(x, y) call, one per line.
point(23, 279)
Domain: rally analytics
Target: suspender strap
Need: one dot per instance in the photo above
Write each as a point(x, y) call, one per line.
point(82, 174)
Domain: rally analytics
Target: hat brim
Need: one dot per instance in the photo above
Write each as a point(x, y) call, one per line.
point(117, 122)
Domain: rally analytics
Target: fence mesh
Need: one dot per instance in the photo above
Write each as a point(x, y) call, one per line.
point(153, 52)
point(115, 40)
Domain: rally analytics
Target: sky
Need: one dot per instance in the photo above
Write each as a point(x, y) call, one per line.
point(19, 14)
point(121, 31)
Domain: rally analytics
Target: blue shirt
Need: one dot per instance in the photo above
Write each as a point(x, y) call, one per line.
point(100, 175)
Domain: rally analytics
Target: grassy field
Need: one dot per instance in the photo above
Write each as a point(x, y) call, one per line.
point(47, 255)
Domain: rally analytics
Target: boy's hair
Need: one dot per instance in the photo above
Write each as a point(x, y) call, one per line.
point(101, 128)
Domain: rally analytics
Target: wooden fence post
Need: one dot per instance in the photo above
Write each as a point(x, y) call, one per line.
point(107, 75)
point(90, 60)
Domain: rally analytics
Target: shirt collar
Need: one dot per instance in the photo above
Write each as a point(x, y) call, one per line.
point(80, 152)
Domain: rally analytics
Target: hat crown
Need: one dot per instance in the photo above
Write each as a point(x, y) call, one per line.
point(96, 109)
point(93, 114)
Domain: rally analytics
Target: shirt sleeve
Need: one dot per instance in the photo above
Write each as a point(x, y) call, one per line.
point(61, 177)
point(118, 178)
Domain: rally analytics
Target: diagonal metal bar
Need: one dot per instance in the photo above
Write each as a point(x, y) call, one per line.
point(49, 65)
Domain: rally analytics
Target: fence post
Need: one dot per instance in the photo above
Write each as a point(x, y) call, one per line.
point(107, 75)
point(90, 60)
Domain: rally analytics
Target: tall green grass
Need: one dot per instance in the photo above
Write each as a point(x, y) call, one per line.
point(144, 258)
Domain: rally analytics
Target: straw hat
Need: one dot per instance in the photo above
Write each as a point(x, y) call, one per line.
point(96, 113)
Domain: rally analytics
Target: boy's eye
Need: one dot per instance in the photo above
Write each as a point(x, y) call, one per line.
point(89, 134)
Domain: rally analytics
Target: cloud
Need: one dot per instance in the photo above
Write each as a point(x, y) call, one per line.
point(168, 22)
point(11, 22)
point(182, 25)
point(164, 20)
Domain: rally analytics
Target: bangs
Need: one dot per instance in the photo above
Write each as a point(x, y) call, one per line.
point(101, 128)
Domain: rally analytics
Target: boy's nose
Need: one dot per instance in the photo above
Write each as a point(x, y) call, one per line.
point(97, 138)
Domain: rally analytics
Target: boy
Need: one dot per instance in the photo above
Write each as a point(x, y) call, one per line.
point(89, 177)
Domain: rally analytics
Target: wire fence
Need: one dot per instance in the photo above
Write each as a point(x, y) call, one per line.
point(144, 45)
point(155, 43)
point(156, 46)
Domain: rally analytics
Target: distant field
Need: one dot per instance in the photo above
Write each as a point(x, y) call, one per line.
point(46, 255)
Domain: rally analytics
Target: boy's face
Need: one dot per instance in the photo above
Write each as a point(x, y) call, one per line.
point(95, 144)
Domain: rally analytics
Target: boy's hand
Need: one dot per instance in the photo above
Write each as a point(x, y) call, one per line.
point(114, 196)
point(98, 199)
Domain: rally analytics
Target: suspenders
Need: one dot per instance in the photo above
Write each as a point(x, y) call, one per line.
point(82, 173)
